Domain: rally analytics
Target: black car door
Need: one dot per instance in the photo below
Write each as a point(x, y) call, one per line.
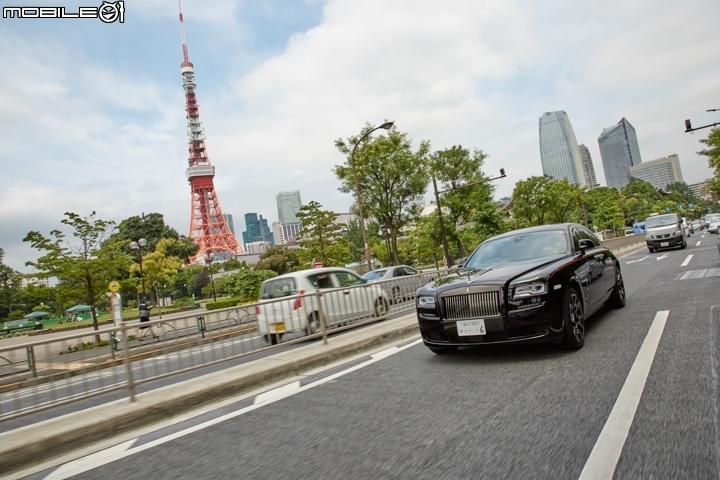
point(590, 268)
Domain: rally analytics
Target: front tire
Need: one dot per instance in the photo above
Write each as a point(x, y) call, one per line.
point(650, 249)
point(396, 296)
point(381, 307)
point(443, 350)
point(684, 245)
point(617, 297)
point(573, 321)
point(273, 338)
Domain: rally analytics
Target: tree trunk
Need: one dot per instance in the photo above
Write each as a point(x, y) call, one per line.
point(393, 239)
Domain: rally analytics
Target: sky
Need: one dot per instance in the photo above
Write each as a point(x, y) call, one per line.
point(93, 114)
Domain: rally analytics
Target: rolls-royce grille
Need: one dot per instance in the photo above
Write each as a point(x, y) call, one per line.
point(472, 305)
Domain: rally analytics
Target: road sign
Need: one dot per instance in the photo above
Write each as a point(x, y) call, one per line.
point(114, 286)
point(317, 265)
point(667, 209)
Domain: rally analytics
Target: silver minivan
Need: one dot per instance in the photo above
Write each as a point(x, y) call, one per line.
point(289, 303)
point(664, 231)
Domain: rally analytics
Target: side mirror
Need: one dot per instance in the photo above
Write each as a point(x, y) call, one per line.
point(585, 244)
point(461, 262)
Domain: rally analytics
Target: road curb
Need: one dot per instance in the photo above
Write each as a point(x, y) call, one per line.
point(23, 447)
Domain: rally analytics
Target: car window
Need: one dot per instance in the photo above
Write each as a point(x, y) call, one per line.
point(346, 279)
point(374, 275)
point(410, 271)
point(281, 287)
point(592, 237)
point(320, 281)
point(399, 272)
point(582, 233)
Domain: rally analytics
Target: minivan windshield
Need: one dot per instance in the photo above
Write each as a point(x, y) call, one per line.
point(661, 221)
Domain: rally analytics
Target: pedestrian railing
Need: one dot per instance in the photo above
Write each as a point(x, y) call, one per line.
point(44, 374)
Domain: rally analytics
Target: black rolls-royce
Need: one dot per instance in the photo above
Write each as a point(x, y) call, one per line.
point(536, 284)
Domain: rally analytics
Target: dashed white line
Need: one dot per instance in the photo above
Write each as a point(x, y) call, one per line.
point(606, 453)
point(698, 244)
point(687, 260)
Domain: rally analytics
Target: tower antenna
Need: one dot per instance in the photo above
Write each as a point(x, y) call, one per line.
point(208, 228)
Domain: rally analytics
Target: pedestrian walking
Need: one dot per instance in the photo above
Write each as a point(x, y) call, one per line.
point(144, 311)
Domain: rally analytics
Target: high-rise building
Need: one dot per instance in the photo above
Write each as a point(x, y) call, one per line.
point(291, 230)
point(288, 205)
point(619, 151)
point(588, 168)
point(278, 233)
point(659, 173)
point(559, 152)
point(256, 229)
point(229, 221)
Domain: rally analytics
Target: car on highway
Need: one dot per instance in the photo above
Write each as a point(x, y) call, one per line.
point(712, 221)
point(402, 281)
point(286, 306)
point(696, 225)
point(664, 231)
point(536, 284)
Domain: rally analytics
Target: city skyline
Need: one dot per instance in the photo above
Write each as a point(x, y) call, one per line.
point(280, 82)
point(619, 151)
point(559, 150)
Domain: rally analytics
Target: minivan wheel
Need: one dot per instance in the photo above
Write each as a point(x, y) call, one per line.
point(651, 250)
point(381, 307)
point(273, 338)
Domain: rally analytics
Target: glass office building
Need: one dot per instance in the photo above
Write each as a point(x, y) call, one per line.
point(588, 168)
point(288, 205)
point(619, 151)
point(559, 151)
point(256, 229)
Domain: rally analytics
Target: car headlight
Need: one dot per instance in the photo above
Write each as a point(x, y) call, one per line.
point(678, 233)
point(530, 289)
point(648, 237)
point(426, 301)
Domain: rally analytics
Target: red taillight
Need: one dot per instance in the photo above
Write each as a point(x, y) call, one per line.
point(298, 301)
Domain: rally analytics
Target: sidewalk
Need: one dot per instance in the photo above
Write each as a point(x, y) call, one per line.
point(26, 446)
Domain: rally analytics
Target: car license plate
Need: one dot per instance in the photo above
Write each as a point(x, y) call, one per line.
point(280, 327)
point(468, 328)
point(664, 244)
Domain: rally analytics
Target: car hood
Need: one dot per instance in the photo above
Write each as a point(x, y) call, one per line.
point(494, 275)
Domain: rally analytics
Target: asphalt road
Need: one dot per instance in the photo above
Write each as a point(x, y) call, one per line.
point(505, 412)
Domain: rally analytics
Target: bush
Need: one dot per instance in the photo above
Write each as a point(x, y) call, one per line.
point(223, 304)
point(245, 285)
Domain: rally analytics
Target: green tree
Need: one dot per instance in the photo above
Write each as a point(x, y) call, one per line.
point(353, 237)
point(565, 198)
point(159, 265)
point(322, 240)
point(391, 178)
point(712, 152)
point(245, 284)
point(83, 269)
point(9, 286)
point(602, 205)
point(532, 200)
point(460, 173)
point(152, 228)
point(279, 259)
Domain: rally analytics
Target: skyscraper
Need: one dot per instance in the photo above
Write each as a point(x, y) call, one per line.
point(619, 151)
point(229, 221)
point(559, 152)
point(288, 205)
point(588, 168)
point(256, 229)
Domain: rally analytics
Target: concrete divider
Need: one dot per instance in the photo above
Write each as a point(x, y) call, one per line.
point(23, 447)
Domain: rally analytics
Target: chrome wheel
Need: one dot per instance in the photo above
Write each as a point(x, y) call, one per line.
point(380, 307)
point(396, 295)
point(573, 321)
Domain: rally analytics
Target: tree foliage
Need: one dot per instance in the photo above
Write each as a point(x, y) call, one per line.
point(158, 266)
point(83, 268)
point(391, 177)
point(712, 152)
point(152, 228)
point(322, 240)
point(279, 259)
point(245, 284)
point(9, 286)
point(532, 200)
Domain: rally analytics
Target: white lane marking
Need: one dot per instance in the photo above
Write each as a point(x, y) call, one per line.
point(698, 244)
point(606, 453)
point(703, 236)
point(88, 462)
point(687, 260)
point(384, 353)
point(660, 258)
point(278, 393)
point(638, 260)
point(117, 455)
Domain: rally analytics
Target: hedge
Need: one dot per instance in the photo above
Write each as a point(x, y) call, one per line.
point(223, 304)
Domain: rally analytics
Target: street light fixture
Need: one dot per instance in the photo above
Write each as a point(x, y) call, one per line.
point(138, 246)
point(386, 126)
point(448, 259)
point(209, 257)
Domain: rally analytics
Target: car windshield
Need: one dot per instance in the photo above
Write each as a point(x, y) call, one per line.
point(519, 248)
point(660, 221)
point(374, 275)
point(712, 217)
point(282, 287)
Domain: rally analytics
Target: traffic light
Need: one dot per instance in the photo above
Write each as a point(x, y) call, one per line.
point(688, 126)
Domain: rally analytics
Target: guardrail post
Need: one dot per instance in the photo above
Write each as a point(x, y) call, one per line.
point(128, 367)
point(113, 344)
point(201, 325)
point(31, 360)
point(323, 328)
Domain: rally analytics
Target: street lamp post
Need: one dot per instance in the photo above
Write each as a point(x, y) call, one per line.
point(386, 126)
point(446, 252)
point(138, 246)
point(209, 257)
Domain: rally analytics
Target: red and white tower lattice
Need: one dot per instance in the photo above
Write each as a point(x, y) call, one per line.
point(207, 223)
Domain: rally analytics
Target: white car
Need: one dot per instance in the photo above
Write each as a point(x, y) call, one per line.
point(288, 303)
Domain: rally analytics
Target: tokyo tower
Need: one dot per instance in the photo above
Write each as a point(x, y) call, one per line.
point(207, 224)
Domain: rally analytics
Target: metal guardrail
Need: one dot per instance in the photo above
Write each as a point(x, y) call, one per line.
point(44, 374)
